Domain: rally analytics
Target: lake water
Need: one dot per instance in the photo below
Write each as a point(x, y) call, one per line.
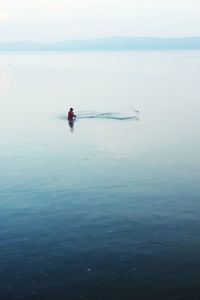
point(109, 207)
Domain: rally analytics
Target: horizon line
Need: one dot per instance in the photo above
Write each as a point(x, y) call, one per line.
point(102, 38)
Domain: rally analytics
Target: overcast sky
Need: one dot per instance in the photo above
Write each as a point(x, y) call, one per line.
point(54, 20)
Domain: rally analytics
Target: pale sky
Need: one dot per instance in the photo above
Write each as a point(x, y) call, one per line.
point(58, 20)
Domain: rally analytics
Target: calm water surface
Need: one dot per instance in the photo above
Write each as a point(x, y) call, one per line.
point(108, 209)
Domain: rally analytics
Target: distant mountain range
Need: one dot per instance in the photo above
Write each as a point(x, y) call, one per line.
point(107, 44)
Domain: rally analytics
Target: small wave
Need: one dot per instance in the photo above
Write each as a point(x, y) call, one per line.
point(99, 115)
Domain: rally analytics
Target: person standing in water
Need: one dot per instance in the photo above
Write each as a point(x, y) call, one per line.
point(71, 115)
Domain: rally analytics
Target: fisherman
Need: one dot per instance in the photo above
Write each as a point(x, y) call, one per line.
point(71, 115)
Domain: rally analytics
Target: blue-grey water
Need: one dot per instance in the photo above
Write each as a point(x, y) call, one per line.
point(107, 208)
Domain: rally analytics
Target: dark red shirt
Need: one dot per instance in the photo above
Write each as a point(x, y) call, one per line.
point(70, 115)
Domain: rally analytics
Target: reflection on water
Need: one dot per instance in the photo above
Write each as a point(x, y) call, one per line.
point(71, 125)
point(111, 211)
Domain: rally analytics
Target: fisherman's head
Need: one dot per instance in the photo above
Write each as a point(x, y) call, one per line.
point(71, 109)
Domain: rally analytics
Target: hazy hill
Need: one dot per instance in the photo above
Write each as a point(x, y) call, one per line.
point(107, 44)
